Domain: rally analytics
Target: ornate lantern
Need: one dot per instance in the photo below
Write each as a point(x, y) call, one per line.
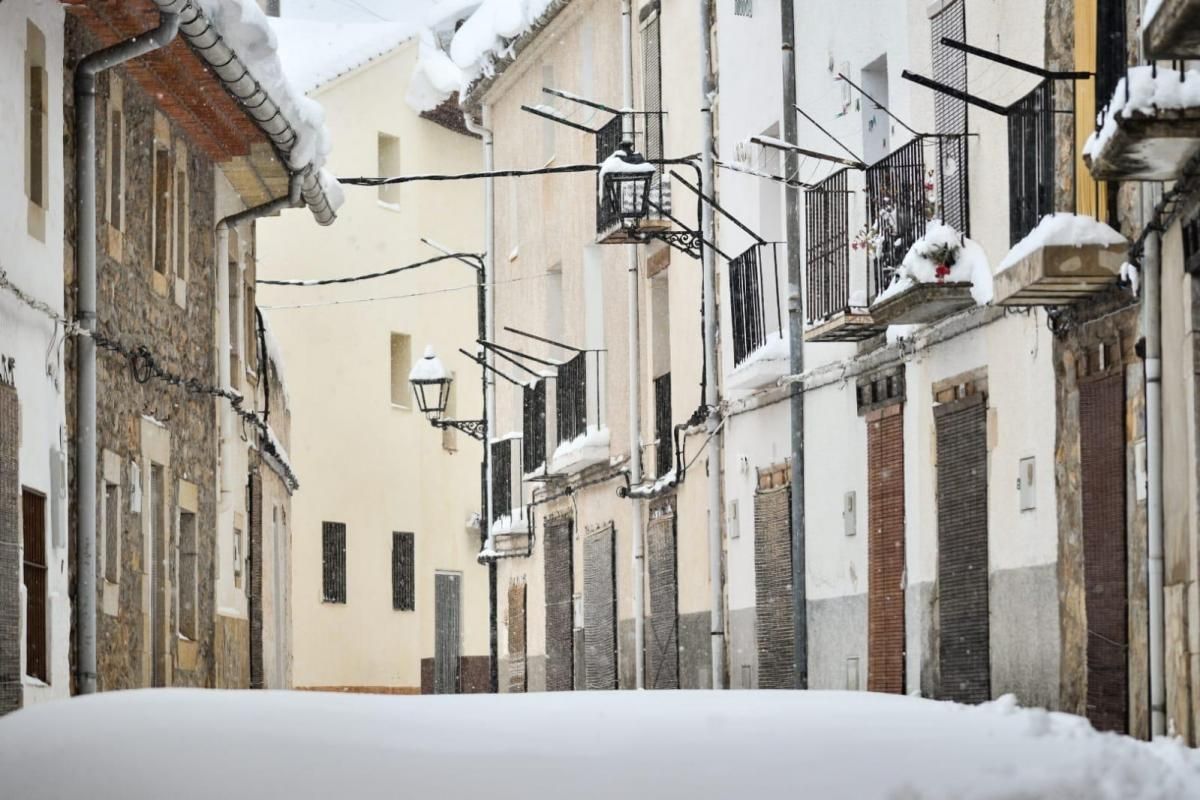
point(431, 385)
point(625, 178)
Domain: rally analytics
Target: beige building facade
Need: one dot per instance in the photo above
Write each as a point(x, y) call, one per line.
point(384, 536)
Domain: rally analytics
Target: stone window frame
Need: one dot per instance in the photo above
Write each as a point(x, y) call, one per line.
point(37, 175)
point(180, 233)
point(155, 450)
point(161, 280)
point(110, 582)
point(188, 502)
point(398, 372)
point(388, 156)
point(115, 153)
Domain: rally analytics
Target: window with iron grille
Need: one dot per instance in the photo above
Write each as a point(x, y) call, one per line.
point(743, 8)
point(33, 521)
point(950, 116)
point(333, 562)
point(501, 478)
point(1111, 56)
point(1191, 243)
point(533, 431)
point(746, 304)
point(827, 247)
point(571, 395)
point(1030, 160)
point(403, 571)
point(663, 443)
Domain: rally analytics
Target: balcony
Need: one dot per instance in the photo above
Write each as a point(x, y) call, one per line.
point(648, 139)
point(917, 204)
point(839, 283)
point(1173, 30)
point(582, 441)
point(1150, 130)
point(760, 351)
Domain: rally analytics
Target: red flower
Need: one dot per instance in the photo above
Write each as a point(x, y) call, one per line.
point(941, 272)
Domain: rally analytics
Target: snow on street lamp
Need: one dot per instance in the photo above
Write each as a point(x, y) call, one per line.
point(625, 179)
point(431, 386)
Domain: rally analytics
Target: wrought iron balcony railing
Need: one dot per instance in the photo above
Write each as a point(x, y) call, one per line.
point(502, 459)
point(571, 398)
point(533, 431)
point(1030, 160)
point(755, 302)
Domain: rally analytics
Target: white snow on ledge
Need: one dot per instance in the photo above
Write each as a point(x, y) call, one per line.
point(509, 524)
point(1062, 229)
point(582, 451)
point(924, 264)
point(764, 366)
point(1149, 90)
point(656, 488)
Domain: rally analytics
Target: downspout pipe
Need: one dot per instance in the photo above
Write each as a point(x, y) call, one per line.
point(1152, 332)
point(86, 467)
point(637, 526)
point(712, 421)
point(796, 352)
point(488, 329)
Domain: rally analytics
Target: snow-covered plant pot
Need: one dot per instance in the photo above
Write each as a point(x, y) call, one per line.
point(942, 274)
point(1151, 134)
point(1066, 257)
point(1171, 29)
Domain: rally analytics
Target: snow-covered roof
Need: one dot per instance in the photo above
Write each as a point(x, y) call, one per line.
point(681, 744)
point(235, 38)
point(316, 53)
point(454, 56)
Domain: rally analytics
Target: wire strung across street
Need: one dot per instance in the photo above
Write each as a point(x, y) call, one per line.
point(502, 173)
point(381, 298)
point(371, 275)
point(144, 367)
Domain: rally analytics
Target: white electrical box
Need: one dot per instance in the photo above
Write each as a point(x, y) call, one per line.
point(734, 528)
point(1027, 484)
point(850, 513)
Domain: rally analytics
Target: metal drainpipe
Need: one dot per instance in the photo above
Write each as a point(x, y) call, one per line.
point(293, 199)
point(711, 399)
point(637, 527)
point(85, 254)
point(1152, 331)
point(796, 350)
point(489, 381)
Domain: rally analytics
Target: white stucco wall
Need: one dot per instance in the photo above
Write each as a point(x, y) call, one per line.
point(35, 264)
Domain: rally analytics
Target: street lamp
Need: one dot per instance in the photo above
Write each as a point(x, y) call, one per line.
point(625, 178)
point(431, 386)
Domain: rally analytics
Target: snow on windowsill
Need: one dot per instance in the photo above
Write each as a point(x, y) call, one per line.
point(507, 437)
point(970, 265)
point(511, 524)
point(1149, 90)
point(582, 451)
point(659, 486)
point(1062, 229)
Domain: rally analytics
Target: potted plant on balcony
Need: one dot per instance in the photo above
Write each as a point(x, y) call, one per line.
point(942, 274)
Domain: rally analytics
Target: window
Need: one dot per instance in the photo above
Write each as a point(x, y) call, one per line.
point(501, 478)
point(189, 576)
point(235, 302)
point(115, 173)
point(663, 441)
point(403, 572)
point(182, 214)
point(162, 210)
point(37, 141)
point(652, 86)
point(110, 540)
point(1030, 160)
point(238, 558)
point(250, 320)
point(401, 366)
point(950, 115)
point(389, 165)
point(875, 123)
point(33, 517)
point(333, 562)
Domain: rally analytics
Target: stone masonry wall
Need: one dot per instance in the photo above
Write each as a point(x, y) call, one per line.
point(181, 336)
